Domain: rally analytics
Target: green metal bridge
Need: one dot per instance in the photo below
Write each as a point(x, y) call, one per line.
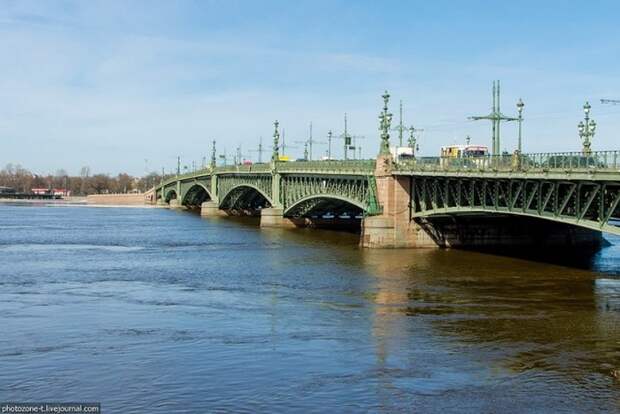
point(570, 188)
point(299, 188)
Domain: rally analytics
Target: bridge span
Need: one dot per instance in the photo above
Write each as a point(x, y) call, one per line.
point(520, 199)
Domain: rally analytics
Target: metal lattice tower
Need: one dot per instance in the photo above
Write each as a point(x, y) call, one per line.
point(260, 150)
point(311, 142)
point(400, 127)
point(347, 139)
point(496, 117)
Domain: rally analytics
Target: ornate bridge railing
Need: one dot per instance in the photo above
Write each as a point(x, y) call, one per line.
point(248, 168)
point(599, 161)
point(354, 167)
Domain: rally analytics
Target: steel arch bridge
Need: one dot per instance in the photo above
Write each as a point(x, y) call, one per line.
point(301, 189)
point(570, 188)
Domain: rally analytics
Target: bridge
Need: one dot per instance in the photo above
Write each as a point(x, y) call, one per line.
point(543, 199)
point(563, 197)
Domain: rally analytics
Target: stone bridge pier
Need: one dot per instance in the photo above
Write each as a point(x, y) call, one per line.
point(394, 227)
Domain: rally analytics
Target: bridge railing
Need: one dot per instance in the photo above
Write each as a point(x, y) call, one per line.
point(329, 166)
point(258, 167)
point(541, 162)
point(325, 166)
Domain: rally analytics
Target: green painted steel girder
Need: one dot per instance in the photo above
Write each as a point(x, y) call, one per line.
point(584, 203)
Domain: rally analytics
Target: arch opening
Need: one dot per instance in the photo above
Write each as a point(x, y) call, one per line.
point(171, 195)
point(244, 200)
point(195, 196)
point(498, 232)
point(328, 212)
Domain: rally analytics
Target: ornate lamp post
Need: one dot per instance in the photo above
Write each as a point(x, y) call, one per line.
point(385, 119)
point(586, 128)
point(276, 142)
point(412, 140)
point(520, 106)
point(213, 159)
point(329, 145)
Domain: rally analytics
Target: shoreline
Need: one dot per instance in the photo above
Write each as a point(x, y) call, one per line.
point(78, 202)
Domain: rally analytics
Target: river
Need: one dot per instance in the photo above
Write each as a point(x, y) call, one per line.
point(159, 311)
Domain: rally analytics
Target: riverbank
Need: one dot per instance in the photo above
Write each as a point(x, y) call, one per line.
point(131, 199)
point(60, 201)
point(73, 202)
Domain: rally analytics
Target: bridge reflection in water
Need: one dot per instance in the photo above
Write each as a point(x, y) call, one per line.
point(556, 199)
point(470, 319)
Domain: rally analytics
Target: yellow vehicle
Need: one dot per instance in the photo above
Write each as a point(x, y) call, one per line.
point(460, 151)
point(464, 156)
point(284, 158)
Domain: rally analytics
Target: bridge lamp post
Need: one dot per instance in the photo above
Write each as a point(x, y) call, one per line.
point(329, 144)
point(213, 158)
point(520, 106)
point(385, 119)
point(586, 128)
point(276, 142)
point(412, 140)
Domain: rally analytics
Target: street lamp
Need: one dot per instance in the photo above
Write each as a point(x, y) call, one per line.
point(213, 157)
point(586, 129)
point(385, 123)
point(276, 143)
point(520, 106)
point(412, 140)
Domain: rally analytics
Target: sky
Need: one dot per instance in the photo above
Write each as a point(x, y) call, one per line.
point(127, 86)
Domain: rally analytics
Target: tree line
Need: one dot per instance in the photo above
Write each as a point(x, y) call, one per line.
point(23, 181)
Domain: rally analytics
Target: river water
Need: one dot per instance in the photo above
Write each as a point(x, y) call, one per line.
point(151, 310)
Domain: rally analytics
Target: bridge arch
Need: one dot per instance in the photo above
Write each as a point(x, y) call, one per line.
point(169, 195)
point(321, 204)
point(491, 212)
point(195, 195)
point(245, 197)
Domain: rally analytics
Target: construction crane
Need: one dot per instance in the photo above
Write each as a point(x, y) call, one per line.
point(611, 101)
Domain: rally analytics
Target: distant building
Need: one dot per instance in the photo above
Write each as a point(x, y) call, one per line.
point(7, 190)
point(60, 192)
point(63, 192)
point(40, 191)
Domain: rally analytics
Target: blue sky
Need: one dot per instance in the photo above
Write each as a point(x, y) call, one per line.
point(109, 84)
